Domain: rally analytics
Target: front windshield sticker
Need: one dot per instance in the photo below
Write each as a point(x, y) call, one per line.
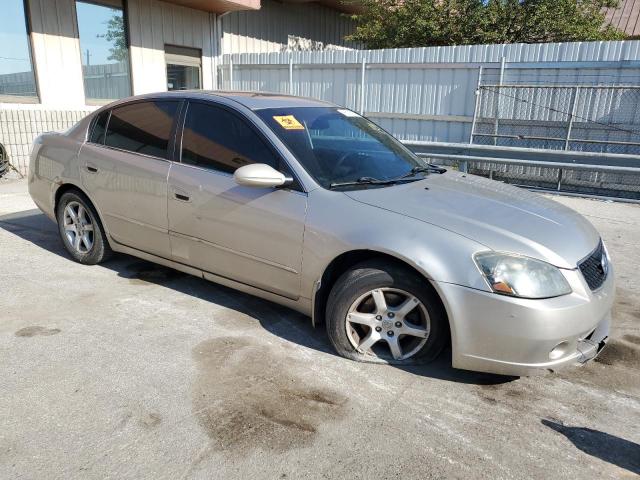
point(288, 122)
point(347, 113)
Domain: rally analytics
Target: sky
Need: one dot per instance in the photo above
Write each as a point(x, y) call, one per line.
point(14, 46)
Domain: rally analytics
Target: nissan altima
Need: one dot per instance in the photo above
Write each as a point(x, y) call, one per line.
point(314, 207)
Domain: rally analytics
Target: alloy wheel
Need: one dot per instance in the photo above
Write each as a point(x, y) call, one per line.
point(78, 227)
point(388, 323)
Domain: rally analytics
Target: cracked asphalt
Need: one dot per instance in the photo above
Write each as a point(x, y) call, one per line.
point(129, 370)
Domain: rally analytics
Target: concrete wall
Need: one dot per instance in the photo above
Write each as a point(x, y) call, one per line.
point(18, 128)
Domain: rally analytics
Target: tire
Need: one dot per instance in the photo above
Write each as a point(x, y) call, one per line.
point(92, 248)
point(419, 329)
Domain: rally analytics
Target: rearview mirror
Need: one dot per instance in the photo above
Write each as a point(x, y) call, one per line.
point(260, 175)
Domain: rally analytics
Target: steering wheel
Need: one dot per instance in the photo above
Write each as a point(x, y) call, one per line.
point(346, 156)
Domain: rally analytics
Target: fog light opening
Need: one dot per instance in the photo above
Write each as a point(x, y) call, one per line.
point(559, 350)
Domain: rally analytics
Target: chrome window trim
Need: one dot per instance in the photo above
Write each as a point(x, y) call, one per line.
point(230, 175)
point(127, 151)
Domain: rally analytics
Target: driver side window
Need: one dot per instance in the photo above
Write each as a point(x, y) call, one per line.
point(220, 140)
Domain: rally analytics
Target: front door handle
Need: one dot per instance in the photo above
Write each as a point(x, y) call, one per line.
point(92, 169)
point(179, 194)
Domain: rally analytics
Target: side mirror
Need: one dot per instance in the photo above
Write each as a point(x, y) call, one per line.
point(260, 175)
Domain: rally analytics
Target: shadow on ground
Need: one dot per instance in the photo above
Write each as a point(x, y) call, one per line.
point(612, 449)
point(35, 227)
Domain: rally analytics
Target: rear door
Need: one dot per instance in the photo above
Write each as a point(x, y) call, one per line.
point(125, 168)
point(250, 235)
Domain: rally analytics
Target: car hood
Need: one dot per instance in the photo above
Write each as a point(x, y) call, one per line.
point(499, 216)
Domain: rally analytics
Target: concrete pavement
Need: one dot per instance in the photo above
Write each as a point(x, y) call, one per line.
point(131, 370)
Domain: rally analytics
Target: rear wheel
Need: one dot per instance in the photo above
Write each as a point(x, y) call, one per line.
point(80, 230)
point(380, 312)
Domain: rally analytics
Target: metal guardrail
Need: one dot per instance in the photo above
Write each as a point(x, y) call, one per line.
point(612, 176)
point(519, 153)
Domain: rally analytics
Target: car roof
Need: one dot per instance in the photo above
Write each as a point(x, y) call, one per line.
point(251, 100)
point(259, 100)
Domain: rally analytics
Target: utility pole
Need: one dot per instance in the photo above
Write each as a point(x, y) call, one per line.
point(88, 55)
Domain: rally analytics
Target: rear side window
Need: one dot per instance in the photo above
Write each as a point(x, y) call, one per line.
point(220, 140)
point(99, 127)
point(143, 127)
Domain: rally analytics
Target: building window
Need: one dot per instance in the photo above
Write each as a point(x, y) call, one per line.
point(17, 78)
point(183, 67)
point(104, 50)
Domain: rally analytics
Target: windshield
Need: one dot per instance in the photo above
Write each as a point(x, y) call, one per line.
point(338, 146)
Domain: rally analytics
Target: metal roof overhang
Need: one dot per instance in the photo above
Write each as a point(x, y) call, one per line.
point(222, 6)
point(218, 6)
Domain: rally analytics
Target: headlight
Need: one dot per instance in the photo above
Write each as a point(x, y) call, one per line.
point(521, 276)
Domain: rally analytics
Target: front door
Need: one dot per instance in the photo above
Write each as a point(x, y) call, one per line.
point(125, 172)
point(250, 235)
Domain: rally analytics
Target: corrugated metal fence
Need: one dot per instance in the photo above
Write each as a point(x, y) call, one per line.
point(574, 97)
point(429, 94)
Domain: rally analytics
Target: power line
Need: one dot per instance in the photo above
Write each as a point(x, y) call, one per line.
point(13, 58)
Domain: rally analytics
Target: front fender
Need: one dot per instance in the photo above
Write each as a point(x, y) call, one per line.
point(337, 224)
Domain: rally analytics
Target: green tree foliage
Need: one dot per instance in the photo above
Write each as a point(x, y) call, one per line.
point(116, 36)
point(419, 23)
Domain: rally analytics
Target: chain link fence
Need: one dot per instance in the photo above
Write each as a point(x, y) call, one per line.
point(581, 118)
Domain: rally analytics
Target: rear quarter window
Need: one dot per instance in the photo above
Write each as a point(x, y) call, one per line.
point(99, 127)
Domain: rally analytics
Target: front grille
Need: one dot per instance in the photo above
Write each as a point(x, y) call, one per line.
point(595, 267)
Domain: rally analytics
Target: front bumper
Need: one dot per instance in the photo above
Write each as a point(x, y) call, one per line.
point(513, 336)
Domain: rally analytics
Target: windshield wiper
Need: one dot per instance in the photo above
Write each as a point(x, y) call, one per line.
point(436, 169)
point(370, 181)
point(407, 177)
point(418, 169)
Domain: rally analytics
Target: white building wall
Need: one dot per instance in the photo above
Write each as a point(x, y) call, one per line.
point(154, 24)
point(56, 53)
point(268, 29)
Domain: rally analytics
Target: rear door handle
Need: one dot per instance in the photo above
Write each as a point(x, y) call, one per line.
point(92, 169)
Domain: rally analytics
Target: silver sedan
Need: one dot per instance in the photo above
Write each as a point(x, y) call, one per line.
point(316, 208)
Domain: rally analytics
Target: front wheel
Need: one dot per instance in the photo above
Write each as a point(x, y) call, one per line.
point(80, 229)
point(380, 312)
